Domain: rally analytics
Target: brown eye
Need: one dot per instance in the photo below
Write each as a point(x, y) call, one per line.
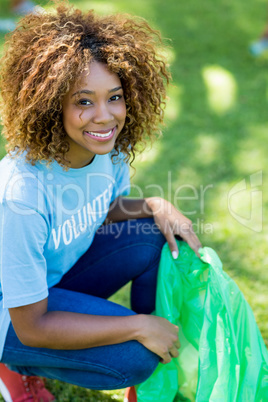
point(84, 102)
point(115, 97)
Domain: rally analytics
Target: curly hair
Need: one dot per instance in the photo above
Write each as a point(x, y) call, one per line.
point(47, 53)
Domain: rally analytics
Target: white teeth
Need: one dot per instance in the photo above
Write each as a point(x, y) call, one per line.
point(100, 135)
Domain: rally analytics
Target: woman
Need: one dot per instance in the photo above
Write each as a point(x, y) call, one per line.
point(80, 93)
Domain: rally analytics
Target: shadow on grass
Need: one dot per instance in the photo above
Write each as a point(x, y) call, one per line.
point(71, 393)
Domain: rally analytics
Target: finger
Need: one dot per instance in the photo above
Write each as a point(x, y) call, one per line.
point(175, 330)
point(177, 343)
point(188, 234)
point(174, 352)
point(194, 243)
point(169, 235)
point(166, 358)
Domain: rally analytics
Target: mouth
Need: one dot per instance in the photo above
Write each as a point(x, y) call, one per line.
point(102, 135)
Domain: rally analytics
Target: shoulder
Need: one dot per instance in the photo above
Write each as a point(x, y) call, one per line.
point(20, 181)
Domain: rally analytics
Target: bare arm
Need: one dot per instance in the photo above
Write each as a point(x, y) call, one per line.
point(168, 219)
point(128, 208)
point(36, 327)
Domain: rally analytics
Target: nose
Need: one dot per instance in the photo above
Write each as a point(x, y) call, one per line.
point(102, 114)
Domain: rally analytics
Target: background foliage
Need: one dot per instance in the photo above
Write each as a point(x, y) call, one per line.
point(215, 138)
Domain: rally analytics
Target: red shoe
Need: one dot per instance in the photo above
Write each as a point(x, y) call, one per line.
point(130, 395)
point(15, 387)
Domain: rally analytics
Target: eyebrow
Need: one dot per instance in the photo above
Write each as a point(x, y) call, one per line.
point(88, 92)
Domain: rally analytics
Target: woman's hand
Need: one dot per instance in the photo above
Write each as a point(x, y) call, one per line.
point(171, 222)
point(158, 335)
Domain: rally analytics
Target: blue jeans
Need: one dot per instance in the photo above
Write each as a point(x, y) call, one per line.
point(121, 252)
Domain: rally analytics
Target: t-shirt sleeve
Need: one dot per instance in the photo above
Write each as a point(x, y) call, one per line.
point(23, 236)
point(122, 180)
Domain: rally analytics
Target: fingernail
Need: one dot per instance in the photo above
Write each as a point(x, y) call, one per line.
point(175, 254)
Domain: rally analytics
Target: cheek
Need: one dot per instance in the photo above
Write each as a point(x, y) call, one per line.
point(73, 119)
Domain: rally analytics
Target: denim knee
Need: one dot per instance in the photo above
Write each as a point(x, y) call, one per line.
point(142, 366)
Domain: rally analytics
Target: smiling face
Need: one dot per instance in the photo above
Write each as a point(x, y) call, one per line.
point(94, 113)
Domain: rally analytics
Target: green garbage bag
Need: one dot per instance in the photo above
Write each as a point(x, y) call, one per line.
point(222, 357)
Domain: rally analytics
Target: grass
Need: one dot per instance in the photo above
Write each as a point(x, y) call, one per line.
point(215, 139)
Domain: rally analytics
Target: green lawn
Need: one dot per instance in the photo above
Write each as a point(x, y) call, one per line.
point(212, 159)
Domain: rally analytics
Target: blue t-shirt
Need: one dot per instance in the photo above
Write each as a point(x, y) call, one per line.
point(48, 219)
